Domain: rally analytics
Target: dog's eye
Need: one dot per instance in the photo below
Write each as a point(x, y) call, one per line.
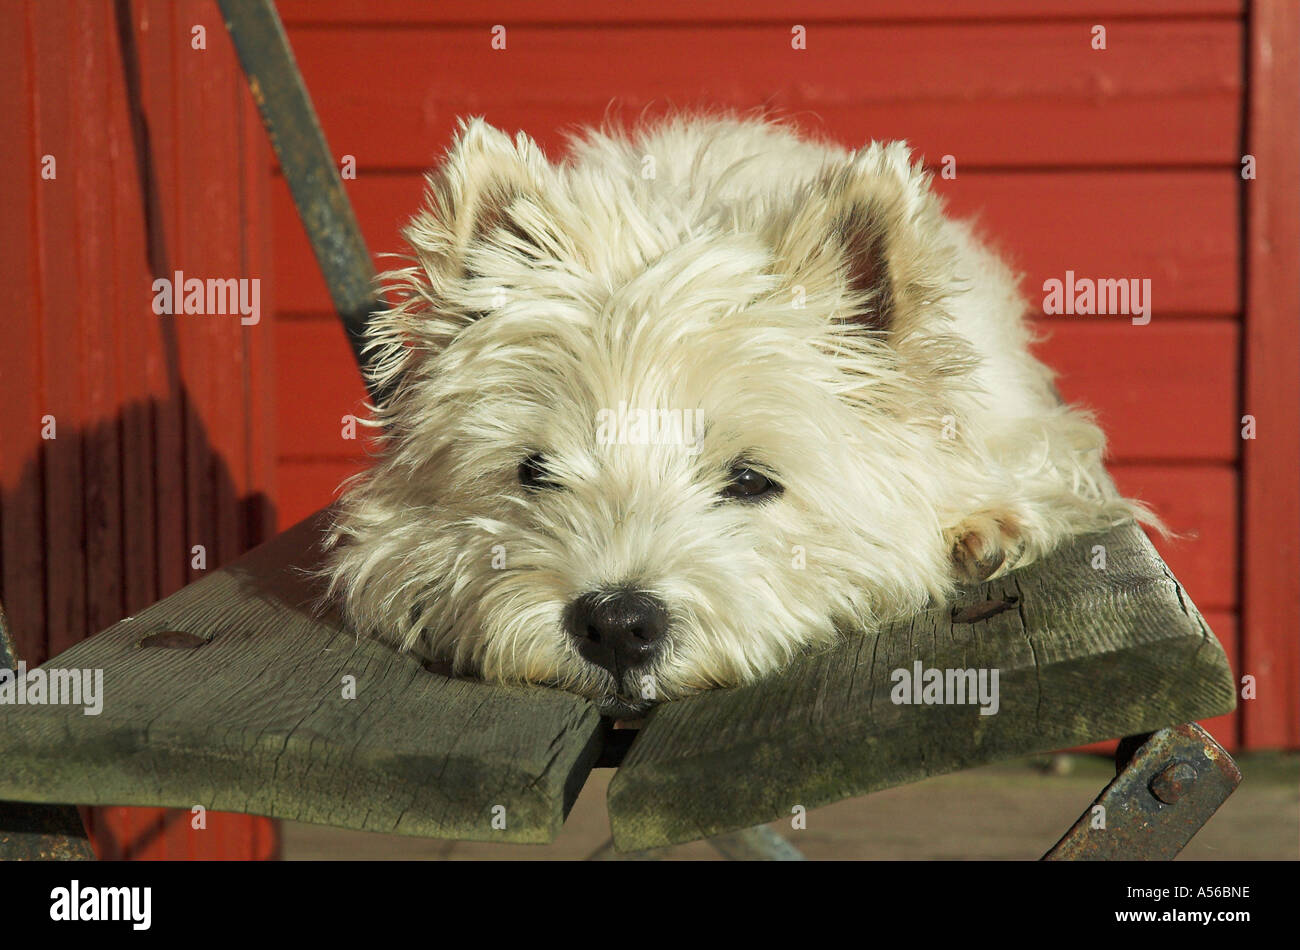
point(749, 485)
point(533, 473)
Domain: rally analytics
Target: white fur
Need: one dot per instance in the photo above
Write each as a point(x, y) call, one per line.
point(539, 294)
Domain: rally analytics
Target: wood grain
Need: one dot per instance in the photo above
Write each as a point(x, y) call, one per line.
point(256, 721)
point(1086, 655)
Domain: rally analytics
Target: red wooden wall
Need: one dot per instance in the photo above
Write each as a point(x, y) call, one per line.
point(163, 435)
point(1123, 162)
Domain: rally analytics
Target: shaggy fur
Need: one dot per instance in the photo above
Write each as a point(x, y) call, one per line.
point(835, 332)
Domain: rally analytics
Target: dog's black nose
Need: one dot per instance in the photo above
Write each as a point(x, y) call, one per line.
point(618, 629)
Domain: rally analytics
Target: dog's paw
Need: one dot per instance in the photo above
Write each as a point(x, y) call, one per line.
point(985, 545)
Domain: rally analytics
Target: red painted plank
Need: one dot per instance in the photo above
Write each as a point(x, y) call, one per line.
point(1164, 391)
point(97, 85)
point(317, 386)
point(1177, 229)
point(1113, 225)
point(204, 218)
point(1271, 594)
point(135, 348)
point(1024, 94)
point(64, 282)
point(691, 11)
point(157, 32)
point(308, 485)
point(211, 346)
point(224, 204)
point(1198, 502)
point(22, 570)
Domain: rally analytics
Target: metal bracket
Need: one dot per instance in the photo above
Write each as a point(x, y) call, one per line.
point(1174, 782)
point(308, 166)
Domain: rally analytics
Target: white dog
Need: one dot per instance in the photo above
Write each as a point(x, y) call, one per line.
point(695, 399)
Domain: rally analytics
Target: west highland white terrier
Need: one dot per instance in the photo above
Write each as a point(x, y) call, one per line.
point(697, 398)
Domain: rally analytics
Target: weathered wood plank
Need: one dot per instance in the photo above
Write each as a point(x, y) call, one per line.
point(255, 720)
point(1083, 654)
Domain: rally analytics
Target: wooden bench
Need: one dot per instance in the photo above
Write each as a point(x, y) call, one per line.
point(235, 694)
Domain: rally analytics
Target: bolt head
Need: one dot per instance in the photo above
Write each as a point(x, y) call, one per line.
point(1173, 782)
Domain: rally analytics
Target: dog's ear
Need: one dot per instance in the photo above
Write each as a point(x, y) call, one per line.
point(485, 205)
point(873, 222)
point(489, 187)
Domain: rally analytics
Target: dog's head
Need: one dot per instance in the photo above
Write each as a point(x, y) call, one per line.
point(652, 434)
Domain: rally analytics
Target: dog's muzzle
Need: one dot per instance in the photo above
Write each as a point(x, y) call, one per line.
point(618, 630)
